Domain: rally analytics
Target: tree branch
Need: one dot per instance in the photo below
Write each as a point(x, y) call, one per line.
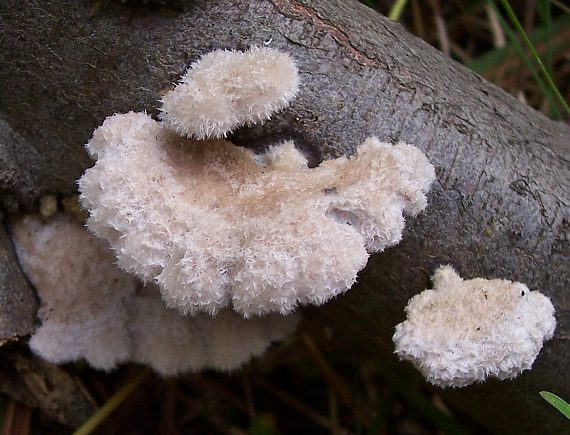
point(500, 207)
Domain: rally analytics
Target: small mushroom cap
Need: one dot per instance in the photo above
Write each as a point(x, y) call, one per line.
point(82, 293)
point(463, 332)
point(91, 310)
point(226, 89)
point(173, 344)
point(216, 225)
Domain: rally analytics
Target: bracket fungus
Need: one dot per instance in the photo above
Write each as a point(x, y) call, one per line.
point(226, 89)
point(91, 310)
point(463, 332)
point(215, 225)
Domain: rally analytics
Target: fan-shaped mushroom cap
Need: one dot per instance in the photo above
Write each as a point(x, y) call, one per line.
point(462, 332)
point(226, 89)
point(91, 310)
point(216, 225)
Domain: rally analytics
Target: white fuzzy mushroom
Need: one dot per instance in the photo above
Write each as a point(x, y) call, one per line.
point(174, 344)
point(226, 89)
point(83, 295)
point(216, 225)
point(463, 332)
point(91, 310)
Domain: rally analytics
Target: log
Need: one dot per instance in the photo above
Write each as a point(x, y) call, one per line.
point(39, 384)
point(18, 303)
point(500, 206)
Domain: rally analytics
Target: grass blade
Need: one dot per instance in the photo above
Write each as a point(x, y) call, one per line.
point(557, 402)
point(518, 47)
point(530, 46)
point(545, 13)
point(102, 413)
point(421, 403)
point(397, 9)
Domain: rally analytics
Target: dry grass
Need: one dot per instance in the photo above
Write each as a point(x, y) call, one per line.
point(481, 35)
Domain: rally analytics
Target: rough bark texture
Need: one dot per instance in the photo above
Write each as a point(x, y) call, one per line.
point(42, 385)
point(18, 302)
point(17, 182)
point(500, 207)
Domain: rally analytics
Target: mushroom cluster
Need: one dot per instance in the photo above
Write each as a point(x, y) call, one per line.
point(217, 234)
point(92, 310)
point(215, 225)
point(220, 236)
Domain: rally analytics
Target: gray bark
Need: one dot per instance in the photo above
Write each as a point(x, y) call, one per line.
point(18, 302)
point(39, 384)
point(500, 207)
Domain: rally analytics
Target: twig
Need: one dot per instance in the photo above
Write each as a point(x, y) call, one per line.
point(419, 27)
point(397, 9)
point(499, 39)
point(295, 404)
point(208, 384)
point(336, 383)
point(561, 5)
point(442, 33)
point(248, 393)
point(168, 409)
point(441, 27)
point(16, 419)
point(333, 412)
point(530, 46)
point(116, 399)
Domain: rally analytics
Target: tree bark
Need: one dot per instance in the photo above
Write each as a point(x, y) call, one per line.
point(39, 384)
point(500, 206)
point(18, 302)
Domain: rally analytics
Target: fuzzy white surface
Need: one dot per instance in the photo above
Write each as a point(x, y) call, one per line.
point(92, 310)
point(216, 225)
point(463, 332)
point(172, 344)
point(82, 293)
point(226, 89)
